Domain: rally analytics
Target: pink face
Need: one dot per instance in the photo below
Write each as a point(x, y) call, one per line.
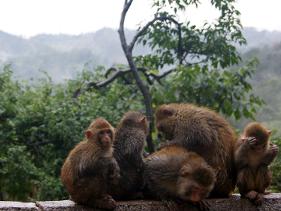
point(194, 193)
point(189, 187)
point(105, 138)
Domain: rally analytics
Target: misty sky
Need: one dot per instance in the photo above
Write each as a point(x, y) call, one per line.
point(31, 17)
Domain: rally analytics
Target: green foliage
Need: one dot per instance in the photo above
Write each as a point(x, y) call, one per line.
point(40, 124)
point(185, 43)
point(228, 92)
point(276, 168)
point(204, 60)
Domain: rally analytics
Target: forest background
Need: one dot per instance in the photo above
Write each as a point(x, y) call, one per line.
point(42, 117)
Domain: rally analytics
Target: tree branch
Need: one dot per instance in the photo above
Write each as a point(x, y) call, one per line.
point(109, 80)
point(142, 87)
point(127, 5)
point(142, 31)
point(121, 74)
point(150, 23)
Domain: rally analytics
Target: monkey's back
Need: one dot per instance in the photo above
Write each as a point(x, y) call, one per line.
point(80, 190)
point(207, 133)
point(128, 148)
point(161, 171)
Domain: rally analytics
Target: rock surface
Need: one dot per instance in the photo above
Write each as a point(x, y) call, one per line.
point(12, 205)
point(234, 203)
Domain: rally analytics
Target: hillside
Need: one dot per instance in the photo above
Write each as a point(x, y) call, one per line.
point(63, 56)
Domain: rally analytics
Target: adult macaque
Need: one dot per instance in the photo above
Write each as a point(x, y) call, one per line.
point(90, 167)
point(205, 132)
point(175, 173)
point(253, 155)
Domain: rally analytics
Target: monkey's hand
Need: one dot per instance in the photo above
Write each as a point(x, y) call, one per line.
point(274, 149)
point(271, 154)
point(113, 172)
point(252, 141)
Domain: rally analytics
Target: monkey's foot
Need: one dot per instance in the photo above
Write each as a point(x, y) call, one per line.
point(106, 202)
point(251, 195)
point(255, 197)
point(259, 199)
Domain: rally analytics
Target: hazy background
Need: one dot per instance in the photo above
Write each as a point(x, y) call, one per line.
point(61, 37)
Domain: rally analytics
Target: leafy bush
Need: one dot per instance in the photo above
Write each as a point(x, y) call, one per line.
point(39, 126)
point(276, 168)
point(41, 123)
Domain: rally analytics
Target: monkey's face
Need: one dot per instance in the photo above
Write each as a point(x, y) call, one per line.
point(260, 145)
point(190, 187)
point(190, 190)
point(105, 138)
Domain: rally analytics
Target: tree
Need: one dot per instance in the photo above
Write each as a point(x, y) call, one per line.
point(181, 47)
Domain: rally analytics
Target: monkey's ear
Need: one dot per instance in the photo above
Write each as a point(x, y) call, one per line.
point(269, 132)
point(167, 111)
point(143, 120)
point(185, 170)
point(88, 134)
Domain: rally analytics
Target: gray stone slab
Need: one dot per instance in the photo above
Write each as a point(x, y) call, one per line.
point(235, 203)
point(22, 206)
point(64, 205)
point(272, 202)
point(141, 205)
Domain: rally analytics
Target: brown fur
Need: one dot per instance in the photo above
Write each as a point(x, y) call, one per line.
point(205, 132)
point(175, 173)
point(253, 155)
point(131, 134)
point(90, 167)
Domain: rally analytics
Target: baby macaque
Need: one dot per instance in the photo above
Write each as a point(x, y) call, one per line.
point(253, 154)
point(130, 138)
point(175, 173)
point(90, 167)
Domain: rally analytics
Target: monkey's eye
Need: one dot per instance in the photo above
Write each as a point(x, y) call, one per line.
point(105, 132)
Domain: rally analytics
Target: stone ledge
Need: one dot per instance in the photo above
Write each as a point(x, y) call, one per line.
point(12, 205)
point(234, 203)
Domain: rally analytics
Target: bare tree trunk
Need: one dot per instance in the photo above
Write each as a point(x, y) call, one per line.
point(143, 88)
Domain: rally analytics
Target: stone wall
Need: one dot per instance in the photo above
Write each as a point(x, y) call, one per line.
point(234, 203)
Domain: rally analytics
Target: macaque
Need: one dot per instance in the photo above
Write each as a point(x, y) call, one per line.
point(90, 167)
point(129, 144)
point(173, 173)
point(253, 155)
point(204, 132)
